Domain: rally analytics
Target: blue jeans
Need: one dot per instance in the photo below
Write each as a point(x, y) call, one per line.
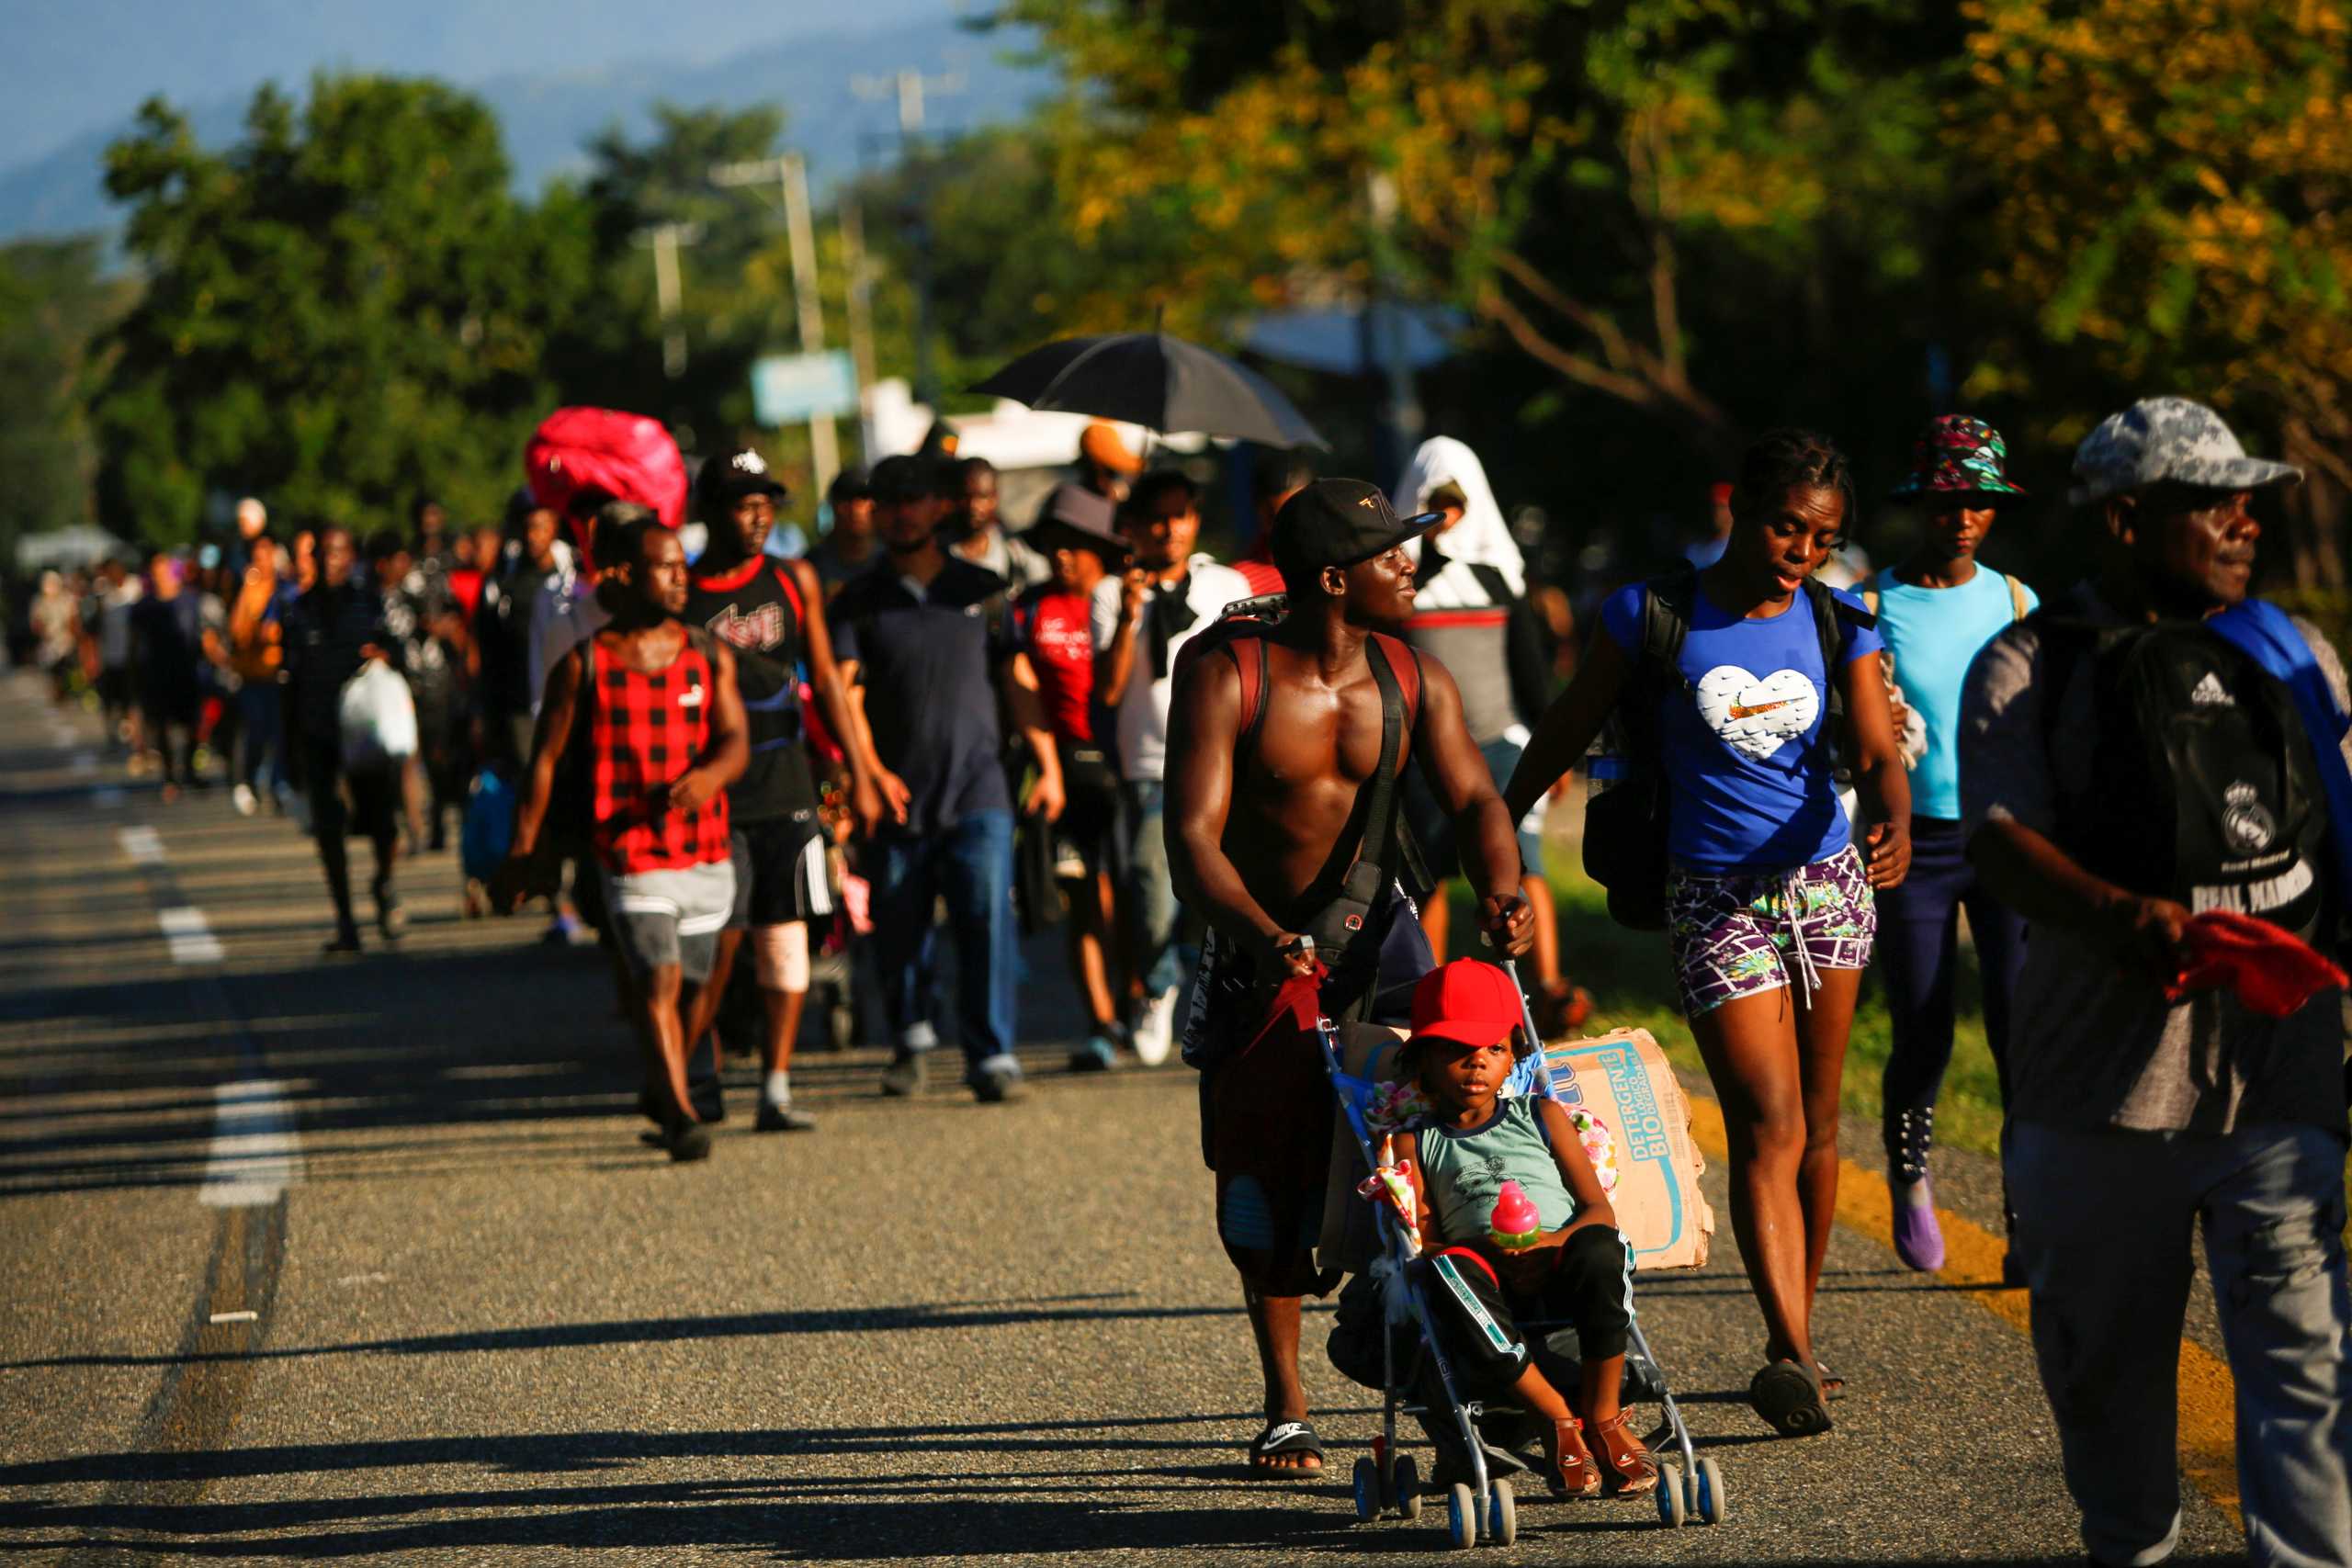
point(970, 866)
point(260, 744)
point(2105, 1224)
point(1151, 892)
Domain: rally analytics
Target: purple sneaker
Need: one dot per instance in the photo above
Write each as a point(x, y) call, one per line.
point(1918, 1239)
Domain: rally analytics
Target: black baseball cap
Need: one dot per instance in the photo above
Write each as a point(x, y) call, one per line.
point(729, 478)
point(850, 484)
point(905, 478)
point(1340, 523)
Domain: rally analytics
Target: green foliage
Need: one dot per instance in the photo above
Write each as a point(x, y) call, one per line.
point(53, 302)
point(345, 310)
point(612, 355)
point(1650, 199)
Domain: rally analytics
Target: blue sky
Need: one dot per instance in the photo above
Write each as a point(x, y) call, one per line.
point(74, 66)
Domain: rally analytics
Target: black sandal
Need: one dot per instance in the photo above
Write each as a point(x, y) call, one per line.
point(1285, 1438)
point(1788, 1396)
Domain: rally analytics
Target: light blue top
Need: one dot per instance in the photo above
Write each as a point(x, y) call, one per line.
point(1934, 634)
point(1463, 1172)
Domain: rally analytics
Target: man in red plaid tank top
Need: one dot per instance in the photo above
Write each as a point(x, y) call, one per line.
point(655, 704)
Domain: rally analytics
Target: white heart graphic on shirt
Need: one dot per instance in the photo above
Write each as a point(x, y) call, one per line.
point(1757, 716)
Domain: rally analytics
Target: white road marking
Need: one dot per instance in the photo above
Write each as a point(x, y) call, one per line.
point(190, 940)
point(108, 798)
point(142, 844)
point(254, 1155)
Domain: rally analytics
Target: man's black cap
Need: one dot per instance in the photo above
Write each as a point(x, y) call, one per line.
point(902, 478)
point(1341, 522)
point(848, 485)
point(729, 478)
point(1075, 517)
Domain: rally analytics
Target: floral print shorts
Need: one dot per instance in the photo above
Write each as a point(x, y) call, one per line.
point(1746, 932)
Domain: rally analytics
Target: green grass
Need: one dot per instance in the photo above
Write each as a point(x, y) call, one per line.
point(1633, 986)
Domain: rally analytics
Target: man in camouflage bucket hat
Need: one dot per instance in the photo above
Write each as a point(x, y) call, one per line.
point(2140, 1113)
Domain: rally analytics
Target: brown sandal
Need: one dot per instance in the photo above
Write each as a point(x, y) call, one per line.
point(1632, 1469)
point(1575, 1473)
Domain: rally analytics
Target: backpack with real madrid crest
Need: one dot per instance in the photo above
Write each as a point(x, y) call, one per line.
point(2203, 788)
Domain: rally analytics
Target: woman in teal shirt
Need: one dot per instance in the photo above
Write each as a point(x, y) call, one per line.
point(1936, 609)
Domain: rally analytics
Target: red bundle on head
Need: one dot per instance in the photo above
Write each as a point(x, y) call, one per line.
point(626, 457)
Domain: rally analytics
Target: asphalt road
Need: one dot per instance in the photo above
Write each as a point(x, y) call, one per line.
point(359, 1259)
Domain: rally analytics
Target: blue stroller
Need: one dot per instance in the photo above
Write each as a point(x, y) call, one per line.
point(1690, 1486)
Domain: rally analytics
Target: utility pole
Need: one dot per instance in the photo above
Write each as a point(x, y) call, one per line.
point(860, 289)
point(1385, 324)
point(911, 88)
point(791, 175)
point(665, 239)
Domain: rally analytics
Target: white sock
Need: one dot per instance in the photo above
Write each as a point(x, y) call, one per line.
point(778, 1090)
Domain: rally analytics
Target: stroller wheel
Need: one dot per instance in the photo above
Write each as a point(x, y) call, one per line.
point(1462, 1516)
point(1672, 1509)
point(1713, 1506)
point(1405, 1479)
point(1502, 1513)
point(1367, 1480)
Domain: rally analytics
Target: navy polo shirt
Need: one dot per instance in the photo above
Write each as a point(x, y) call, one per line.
point(929, 666)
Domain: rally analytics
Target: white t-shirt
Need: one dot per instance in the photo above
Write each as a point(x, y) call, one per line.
point(1143, 707)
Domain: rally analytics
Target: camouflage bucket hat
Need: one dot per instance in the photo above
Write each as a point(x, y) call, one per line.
point(1959, 456)
point(2169, 438)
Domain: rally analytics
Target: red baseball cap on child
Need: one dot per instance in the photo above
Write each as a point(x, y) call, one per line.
point(1466, 1001)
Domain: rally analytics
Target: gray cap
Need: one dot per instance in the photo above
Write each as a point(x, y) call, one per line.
point(2168, 438)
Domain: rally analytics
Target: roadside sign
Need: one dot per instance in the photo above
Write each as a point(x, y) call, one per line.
point(789, 388)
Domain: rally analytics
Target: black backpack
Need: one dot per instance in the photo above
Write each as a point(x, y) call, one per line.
point(1625, 817)
point(2203, 789)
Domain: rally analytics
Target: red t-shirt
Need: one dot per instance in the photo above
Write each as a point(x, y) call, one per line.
point(1056, 629)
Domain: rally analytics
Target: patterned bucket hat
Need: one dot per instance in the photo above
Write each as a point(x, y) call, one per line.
point(1959, 456)
point(2169, 438)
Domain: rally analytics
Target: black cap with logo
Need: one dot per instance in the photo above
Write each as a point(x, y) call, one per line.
point(729, 478)
point(1340, 523)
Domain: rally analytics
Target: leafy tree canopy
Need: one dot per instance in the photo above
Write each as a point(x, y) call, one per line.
point(344, 309)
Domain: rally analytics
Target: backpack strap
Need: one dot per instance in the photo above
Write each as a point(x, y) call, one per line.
point(1251, 668)
point(1397, 710)
point(1667, 604)
point(1403, 662)
point(2017, 607)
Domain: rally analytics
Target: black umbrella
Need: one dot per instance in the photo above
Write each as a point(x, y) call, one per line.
point(1159, 382)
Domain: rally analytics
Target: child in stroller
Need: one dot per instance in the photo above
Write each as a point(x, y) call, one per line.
point(1457, 1155)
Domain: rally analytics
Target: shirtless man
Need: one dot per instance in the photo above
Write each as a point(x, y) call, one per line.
point(1281, 801)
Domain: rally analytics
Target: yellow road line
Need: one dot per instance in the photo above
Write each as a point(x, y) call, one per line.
point(2207, 1397)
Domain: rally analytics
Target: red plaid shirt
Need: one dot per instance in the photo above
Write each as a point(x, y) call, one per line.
point(644, 733)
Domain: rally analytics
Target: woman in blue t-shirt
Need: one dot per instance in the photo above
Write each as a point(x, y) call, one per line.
point(1935, 611)
point(1769, 904)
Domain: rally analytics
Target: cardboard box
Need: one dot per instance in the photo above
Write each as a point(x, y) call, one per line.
point(1624, 1080)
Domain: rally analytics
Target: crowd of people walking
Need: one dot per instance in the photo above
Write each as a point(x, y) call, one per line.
point(2138, 795)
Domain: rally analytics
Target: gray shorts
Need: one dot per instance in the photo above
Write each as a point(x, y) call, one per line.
point(662, 918)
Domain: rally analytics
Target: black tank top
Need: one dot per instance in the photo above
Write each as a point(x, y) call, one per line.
point(753, 611)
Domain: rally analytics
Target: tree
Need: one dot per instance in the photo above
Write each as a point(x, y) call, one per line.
point(615, 355)
point(53, 301)
point(2169, 195)
point(344, 311)
point(1671, 204)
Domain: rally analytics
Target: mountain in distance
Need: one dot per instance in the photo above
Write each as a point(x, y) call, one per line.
point(548, 119)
